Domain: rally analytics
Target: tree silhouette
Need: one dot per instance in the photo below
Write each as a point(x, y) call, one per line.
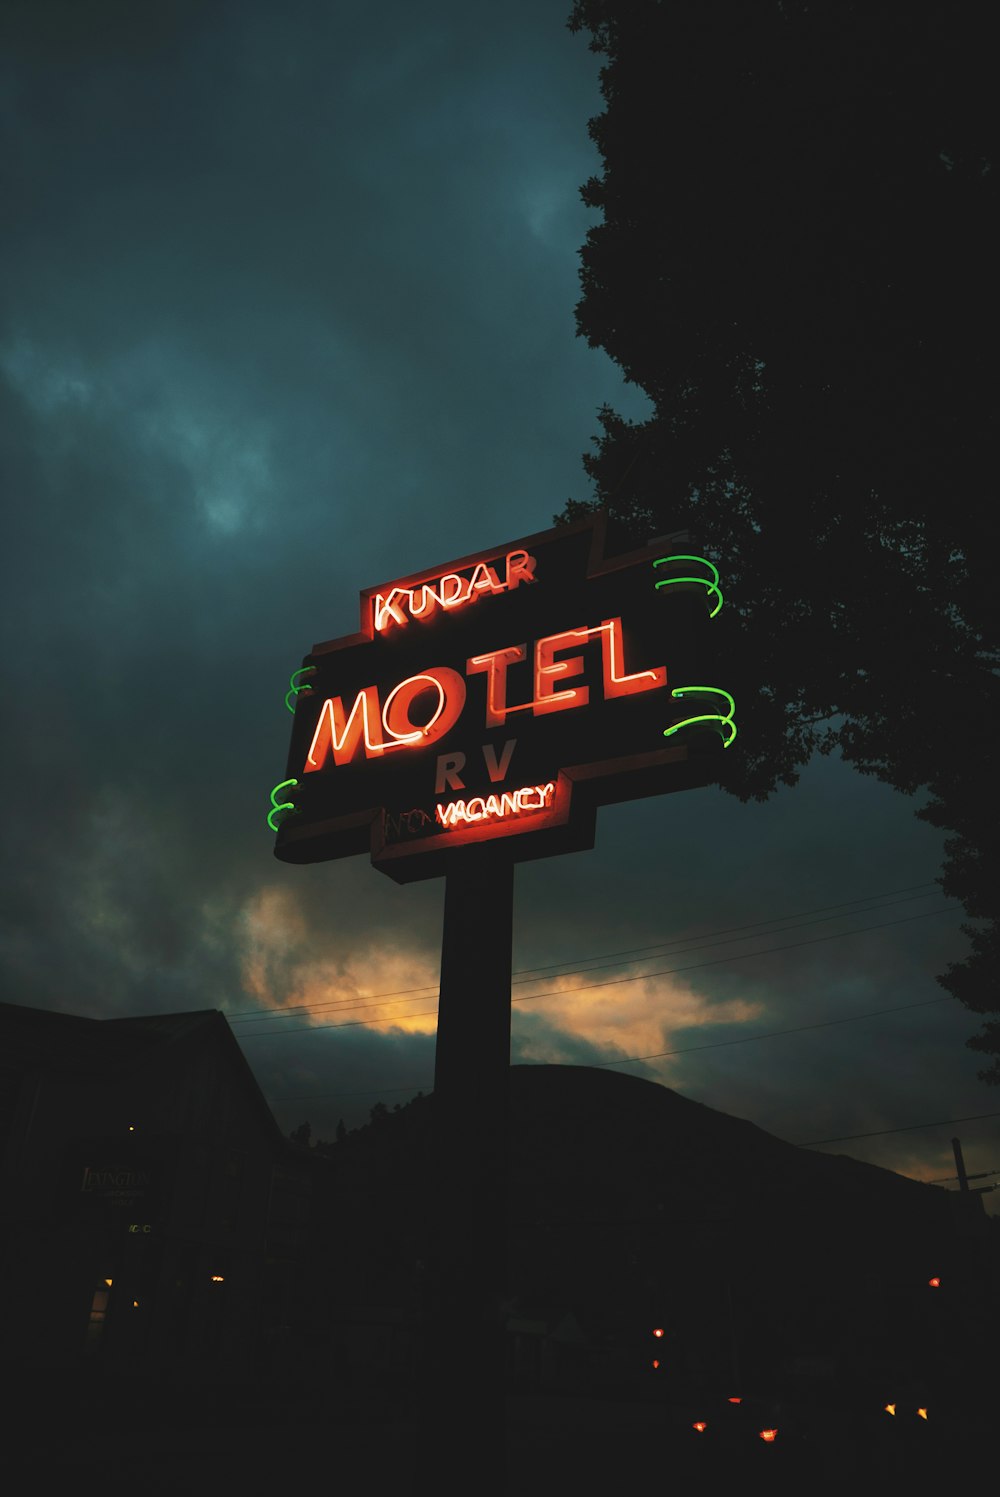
point(795, 264)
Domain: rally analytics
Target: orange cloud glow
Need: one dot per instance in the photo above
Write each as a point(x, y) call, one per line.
point(281, 970)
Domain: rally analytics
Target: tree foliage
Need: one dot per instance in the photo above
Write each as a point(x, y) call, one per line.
point(795, 264)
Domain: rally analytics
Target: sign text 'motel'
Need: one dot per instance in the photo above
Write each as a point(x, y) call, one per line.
point(505, 695)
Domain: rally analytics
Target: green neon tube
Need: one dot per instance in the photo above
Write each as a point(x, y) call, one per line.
point(712, 587)
point(706, 717)
point(277, 807)
point(295, 688)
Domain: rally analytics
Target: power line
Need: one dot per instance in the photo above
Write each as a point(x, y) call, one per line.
point(909, 1128)
point(683, 1050)
point(773, 1033)
point(979, 1175)
point(618, 981)
point(692, 943)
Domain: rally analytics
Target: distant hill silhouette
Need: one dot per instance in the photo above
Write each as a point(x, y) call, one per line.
point(631, 1206)
point(626, 1140)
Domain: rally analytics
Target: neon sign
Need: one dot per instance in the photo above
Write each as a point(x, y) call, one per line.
point(496, 807)
point(508, 694)
point(450, 591)
point(340, 734)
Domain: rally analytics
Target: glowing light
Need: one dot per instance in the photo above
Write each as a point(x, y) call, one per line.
point(135, 1304)
point(922, 1413)
point(705, 717)
point(495, 665)
point(341, 736)
point(218, 1279)
point(341, 733)
point(452, 591)
point(451, 699)
point(520, 568)
point(277, 807)
point(734, 1400)
point(387, 610)
point(495, 807)
point(616, 683)
point(769, 1435)
point(890, 1408)
point(294, 687)
point(656, 1363)
point(131, 1127)
point(713, 586)
point(934, 1283)
point(548, 670)
point(109, 1282)
point(658, 1332)
point(700, 1425)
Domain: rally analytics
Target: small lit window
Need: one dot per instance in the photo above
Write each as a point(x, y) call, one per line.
point(98, 1313)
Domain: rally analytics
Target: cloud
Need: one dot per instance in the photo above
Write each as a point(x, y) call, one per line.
point(640, 1017)
point(376, 979)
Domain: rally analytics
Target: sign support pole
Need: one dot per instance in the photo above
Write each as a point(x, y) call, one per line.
point(464, 1426)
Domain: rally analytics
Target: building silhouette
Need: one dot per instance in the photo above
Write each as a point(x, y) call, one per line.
point(153, 1215)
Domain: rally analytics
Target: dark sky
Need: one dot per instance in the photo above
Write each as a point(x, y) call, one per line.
point(287, 311)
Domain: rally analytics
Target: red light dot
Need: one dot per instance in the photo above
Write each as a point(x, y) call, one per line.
point(700, 1426)
point(656, 1363)
point(934, 1283)
point(735, 1400)
point(658, 1332)
point(768, 1435)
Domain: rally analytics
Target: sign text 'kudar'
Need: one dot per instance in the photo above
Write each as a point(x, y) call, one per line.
point(578, 670)
point(453, 590)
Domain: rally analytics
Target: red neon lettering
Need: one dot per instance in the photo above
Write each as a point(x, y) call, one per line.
point(428, 601)
point(520, 568)
point(549, 670)
point(616, 683)
point(452, 590)
point(495, 665)
point(387, 609)
point(495, 807)
point(459, 593)
point(425, 600)
point(342, 738)
point(485, 580)
point(451, 699)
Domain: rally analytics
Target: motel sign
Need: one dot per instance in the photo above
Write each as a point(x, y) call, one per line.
point(504, 696)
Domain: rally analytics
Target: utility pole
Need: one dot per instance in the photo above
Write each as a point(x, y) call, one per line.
point(963, 1179)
